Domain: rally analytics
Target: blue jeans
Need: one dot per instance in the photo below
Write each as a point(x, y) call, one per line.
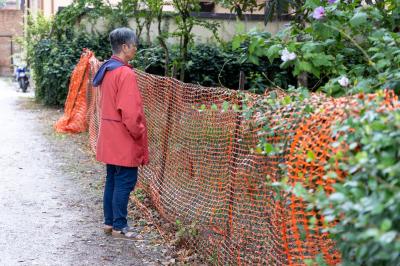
point(120, 181)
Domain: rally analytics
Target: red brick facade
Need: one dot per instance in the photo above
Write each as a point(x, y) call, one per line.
point(11, 26)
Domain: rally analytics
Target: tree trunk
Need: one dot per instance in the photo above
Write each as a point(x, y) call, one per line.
point(302, 80)
point(139, 28)
point(161, 39)
point(184, 56)
point(148, 39)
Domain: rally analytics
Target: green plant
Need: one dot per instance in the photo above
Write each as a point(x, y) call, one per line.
point(212, 65)
point(185, 23)
point(38, 28)
point(213, 257)
point(70, 17)
point(185, 234)
point(366, 204)
point(362, 215)
point(139, 194)
point(240, 7)
point(344, 47)
point(53, 60)
point(54, 46)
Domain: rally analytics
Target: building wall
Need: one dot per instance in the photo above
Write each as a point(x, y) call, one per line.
point(50, 7)
point(227, 29)
point(11, 26)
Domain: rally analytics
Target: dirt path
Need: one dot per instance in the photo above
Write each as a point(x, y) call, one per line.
point(51, 195)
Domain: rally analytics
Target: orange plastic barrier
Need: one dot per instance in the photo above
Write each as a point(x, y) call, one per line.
point(204, 171)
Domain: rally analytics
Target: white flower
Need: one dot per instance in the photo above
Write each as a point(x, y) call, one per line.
point(344, 81)
point(287, 56)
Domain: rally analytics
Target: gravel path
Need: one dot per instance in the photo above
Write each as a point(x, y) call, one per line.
point(51, 195)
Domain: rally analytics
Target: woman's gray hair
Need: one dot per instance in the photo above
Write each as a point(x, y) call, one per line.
point(121, 36)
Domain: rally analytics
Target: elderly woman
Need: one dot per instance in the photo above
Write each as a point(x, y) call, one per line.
point(122, 142)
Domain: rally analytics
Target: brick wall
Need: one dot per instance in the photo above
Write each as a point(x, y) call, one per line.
point(11, 24)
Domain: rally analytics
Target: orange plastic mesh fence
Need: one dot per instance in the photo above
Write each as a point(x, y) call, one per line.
point(93, 102)
point(204, 172)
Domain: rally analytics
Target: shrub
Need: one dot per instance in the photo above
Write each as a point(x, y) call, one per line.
point(340, 48)
point(54, 60)
point(367, 203)
point(212, 65)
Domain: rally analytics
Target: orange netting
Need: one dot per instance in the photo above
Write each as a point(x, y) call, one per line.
point(74, 118)
point(204, 171)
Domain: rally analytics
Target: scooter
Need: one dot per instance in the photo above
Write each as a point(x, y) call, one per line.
point(22, 76)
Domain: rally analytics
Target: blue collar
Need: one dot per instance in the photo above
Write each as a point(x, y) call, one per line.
point(109, 65)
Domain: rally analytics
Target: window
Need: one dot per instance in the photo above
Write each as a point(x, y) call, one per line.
point(207, 6)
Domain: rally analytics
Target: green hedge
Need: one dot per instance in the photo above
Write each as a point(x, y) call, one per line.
point(54, 60)
point(212, 65)
point(208, 65)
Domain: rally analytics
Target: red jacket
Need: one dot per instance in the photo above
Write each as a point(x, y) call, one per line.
point(122, 137)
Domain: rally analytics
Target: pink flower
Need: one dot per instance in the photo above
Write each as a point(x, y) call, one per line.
point(331, 1)
point(319, 13)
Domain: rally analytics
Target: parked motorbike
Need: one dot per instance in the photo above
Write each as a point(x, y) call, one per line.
point(22, 77)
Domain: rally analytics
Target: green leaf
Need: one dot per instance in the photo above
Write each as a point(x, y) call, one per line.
point(235, 107)
point(236, 42)
point(378, 126)
point(253, 59)
point(308, 109)
point(310, 155)
point(273, 52)
point(312, 4)
point(225, 106)
point(302, 66)
point(324, 32)
point(386, 225)
point(337, 196)
point(383, 63)
point(214, 107)
point(362, 157)
point(371, 232)
point(286, 100)
point(299, 191)
point(308, 262)
point(268, 148)
point(320, 260)
point(358, 19)
point(323, 60)
point(388, 237)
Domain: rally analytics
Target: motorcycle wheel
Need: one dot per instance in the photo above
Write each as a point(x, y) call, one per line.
point(25, 83)
point(20, 83)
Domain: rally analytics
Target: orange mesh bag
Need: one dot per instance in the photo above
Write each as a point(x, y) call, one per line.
point(74, 118)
